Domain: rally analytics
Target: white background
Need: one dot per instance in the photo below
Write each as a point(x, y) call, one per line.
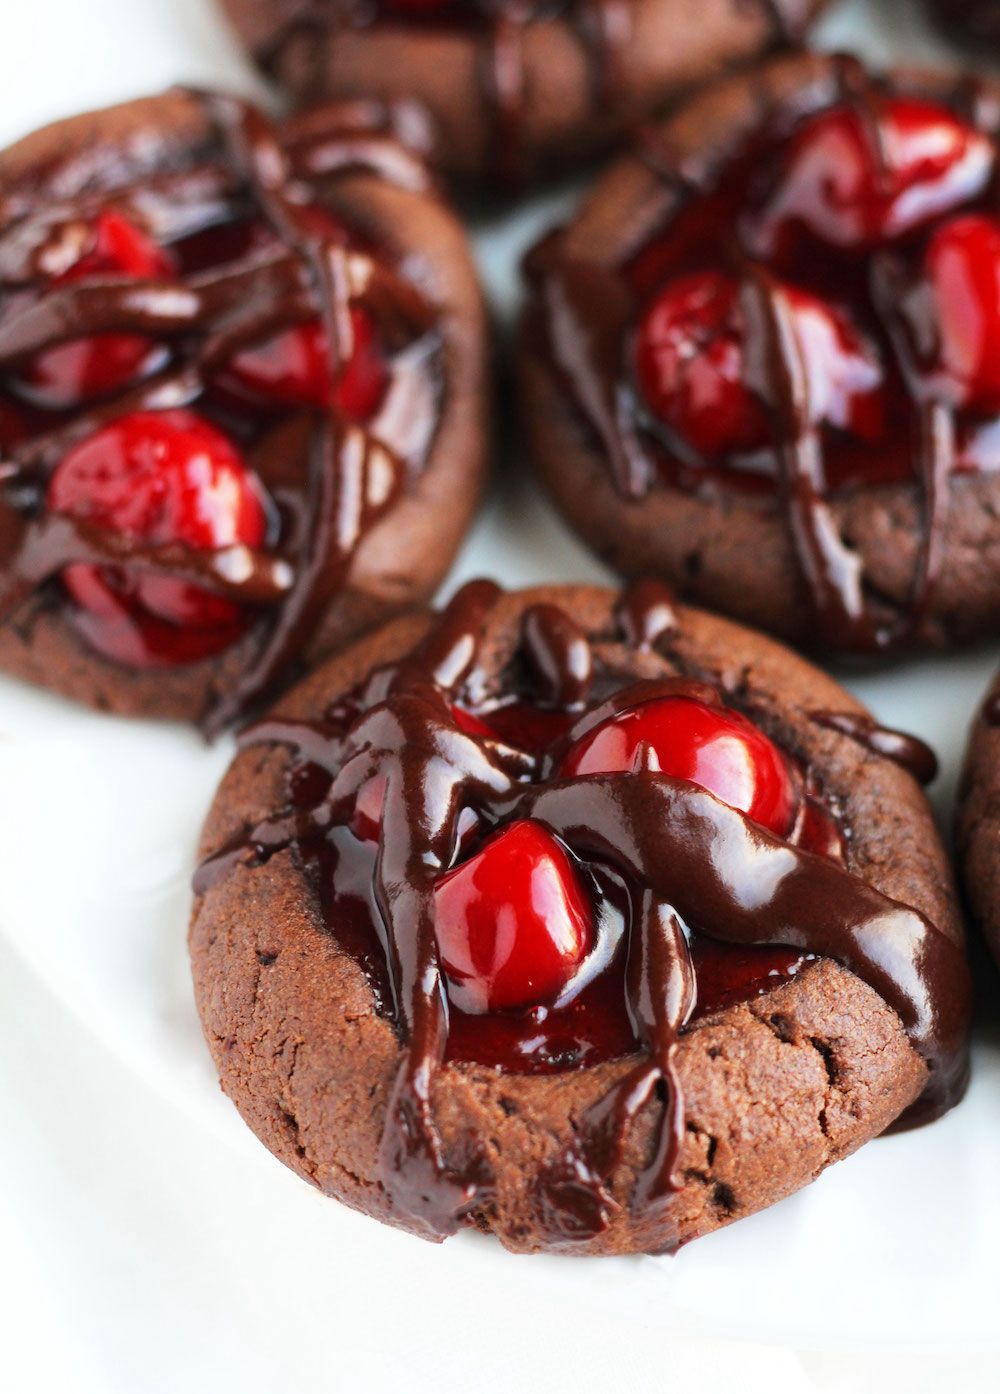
point(148, 1243)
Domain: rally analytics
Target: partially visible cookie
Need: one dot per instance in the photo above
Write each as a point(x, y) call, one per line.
point(593, 921)
point(514, 86)
point(243, 397)
point(974, 22)
point(760, 362)
point(977, 825)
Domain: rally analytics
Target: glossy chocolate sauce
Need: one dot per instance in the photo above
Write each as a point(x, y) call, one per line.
point(697, 907)
point(602, 27)
point(329, 478)
point(587, 312)
point(991, 710)
point(909, 752)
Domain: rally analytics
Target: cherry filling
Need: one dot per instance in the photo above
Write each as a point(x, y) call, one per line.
point(293, 369)
point(95, 366)
point(875, 190)
point(157, 477)
point(691, 362)
point(533, 943)
point(513, 922)
point(958, 290)
point(857, 177)
point(715, 748)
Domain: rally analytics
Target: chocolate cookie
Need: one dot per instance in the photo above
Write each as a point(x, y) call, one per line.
point(513, 85)
point(762, 360)
point(594, 922)
point(242, 397)
point(974, 22)
point(978, 820)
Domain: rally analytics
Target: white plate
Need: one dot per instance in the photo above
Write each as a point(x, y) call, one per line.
point(99, 819)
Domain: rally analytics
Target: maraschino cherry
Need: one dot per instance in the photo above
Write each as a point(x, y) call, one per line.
point(513, 922)
point(83, 369)
point(854, 178)
point(959, 293)
point(157, 477)
point(710, 746)
point(292, 369)
point(691, 362)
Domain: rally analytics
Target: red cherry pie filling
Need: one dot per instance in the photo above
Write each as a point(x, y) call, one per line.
point(878, 190)
point(532, 940)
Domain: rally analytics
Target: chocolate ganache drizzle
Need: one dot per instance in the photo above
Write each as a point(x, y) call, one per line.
point(330, 478)
point(587, 311)
point(693, 876)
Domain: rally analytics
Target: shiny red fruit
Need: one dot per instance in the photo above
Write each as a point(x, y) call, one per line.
point(691, 363)
point(100, 364)
point(853, 183)
point(716, 748)
point(962, 271)
point(293, 370)
point(157, 477)
point(513, 923)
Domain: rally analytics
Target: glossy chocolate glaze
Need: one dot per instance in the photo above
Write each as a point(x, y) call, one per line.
point(909, 752)
point(991, 710)
point(329, 478)
point(603, 28)
point(587, 313)
point(664, 854)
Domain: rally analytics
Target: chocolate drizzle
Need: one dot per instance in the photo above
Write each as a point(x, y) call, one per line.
point(909, 752)
point(684, 859)
point(333, 478)
point(586, 312)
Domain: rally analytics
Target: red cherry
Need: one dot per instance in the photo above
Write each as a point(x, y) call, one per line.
point(513, 923)
point(157, 477)
point(293, 370)
point(818, 832)
point(853, 185)
point(472, 725)
point(962, 304)
point(718, 749)
point(691, 366)
point(100, 364)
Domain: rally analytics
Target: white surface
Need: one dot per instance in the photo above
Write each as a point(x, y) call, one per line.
point(152, 1239)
